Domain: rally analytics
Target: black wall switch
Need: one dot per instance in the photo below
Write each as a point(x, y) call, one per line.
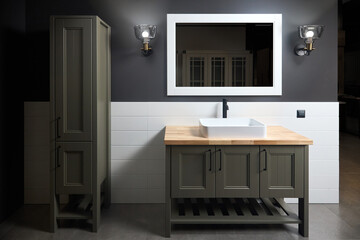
point(300, 114)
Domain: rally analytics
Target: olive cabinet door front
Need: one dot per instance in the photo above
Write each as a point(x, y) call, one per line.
point(282, 171)
point(73, 168)
point(192, 171)
point(237, 171)
point(73, 79)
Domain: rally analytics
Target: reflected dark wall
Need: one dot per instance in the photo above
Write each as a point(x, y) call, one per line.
point(259, 40)
point(12, 78)
point(138, 78)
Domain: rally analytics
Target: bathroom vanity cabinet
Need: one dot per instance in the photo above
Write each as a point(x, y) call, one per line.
point(235, 180)
point(79, 118)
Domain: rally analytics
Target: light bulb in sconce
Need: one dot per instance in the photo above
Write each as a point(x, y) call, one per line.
point(145, 33)
point(309, 33)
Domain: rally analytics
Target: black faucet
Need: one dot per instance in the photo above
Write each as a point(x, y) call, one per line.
point(225, 108)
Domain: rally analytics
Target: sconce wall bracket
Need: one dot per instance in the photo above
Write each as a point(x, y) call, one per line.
point(147, 52)
point(301, 50)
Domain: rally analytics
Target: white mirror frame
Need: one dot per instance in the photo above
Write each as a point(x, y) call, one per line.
point(173, 19)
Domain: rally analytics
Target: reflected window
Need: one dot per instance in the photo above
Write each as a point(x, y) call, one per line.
point(217, 71)
point(196, 66)
point(238, 71)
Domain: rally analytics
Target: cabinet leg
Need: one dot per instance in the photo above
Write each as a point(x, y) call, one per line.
point(168, 230)
point(304, 202)
point(96, 210)
point(107, 186)
point(167, 194)
point(53, 223)
point(304, 217)
point(53, 212)
point(167, 219)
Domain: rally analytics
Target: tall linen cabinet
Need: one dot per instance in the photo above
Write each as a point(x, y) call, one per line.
point(79, 118)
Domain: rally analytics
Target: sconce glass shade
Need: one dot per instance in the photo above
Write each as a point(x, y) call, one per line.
point(311, 31)
point(145, 32)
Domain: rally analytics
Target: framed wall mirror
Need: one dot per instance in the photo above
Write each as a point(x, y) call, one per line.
point(224, 54)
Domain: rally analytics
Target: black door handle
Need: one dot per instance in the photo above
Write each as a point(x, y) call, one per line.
point(220, 159)
point(265, 168)
point(57, 158)
point(209, 151)
point(57, 127)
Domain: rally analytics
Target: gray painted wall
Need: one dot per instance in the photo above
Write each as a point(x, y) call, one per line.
point(138, 78)
point(12, 77)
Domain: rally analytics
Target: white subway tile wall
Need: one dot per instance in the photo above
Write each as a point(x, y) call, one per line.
point(138, 152)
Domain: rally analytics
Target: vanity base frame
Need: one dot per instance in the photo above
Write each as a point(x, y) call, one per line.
point(235, 210)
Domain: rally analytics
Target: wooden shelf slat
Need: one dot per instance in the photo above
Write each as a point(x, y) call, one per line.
point(284, 206)
point(243, 206)
point(260, 211)
point(235, 220)
point(229, 207)
point(216, 208)
point(85, 202)
point(270, 206)
point(201, 207)
point(188, 207)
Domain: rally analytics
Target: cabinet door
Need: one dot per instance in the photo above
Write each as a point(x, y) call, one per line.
point(192, 171)
point(73, 168)
point(281, 171)
point(237, 171)
point(73, 79)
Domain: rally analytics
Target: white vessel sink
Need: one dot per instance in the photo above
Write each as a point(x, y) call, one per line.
point(232, 128)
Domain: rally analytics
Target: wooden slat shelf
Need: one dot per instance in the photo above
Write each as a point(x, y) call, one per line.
point(231, 211)
point(77, 208)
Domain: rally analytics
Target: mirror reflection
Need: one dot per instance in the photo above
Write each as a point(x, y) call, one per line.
point(224, 54)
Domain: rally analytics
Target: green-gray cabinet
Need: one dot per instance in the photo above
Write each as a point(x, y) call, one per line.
point(193, 171)
point(73, 78)
point(281, 171)
point(79, 118)
point(73, 168)
point(237, 171)
point(236, 184)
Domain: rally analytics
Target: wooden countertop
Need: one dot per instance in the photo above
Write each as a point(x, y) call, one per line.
point(190, 135)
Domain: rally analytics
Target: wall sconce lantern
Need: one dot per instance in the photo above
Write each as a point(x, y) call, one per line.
point(309, 33)
point(145, 32)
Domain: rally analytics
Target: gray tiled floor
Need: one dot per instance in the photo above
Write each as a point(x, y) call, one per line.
point(146, 221)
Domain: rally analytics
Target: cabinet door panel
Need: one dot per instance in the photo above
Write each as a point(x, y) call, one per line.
point(237, 171)
point(73, 79)
point(73, 168)
point(192, 171)
point(282, 173)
